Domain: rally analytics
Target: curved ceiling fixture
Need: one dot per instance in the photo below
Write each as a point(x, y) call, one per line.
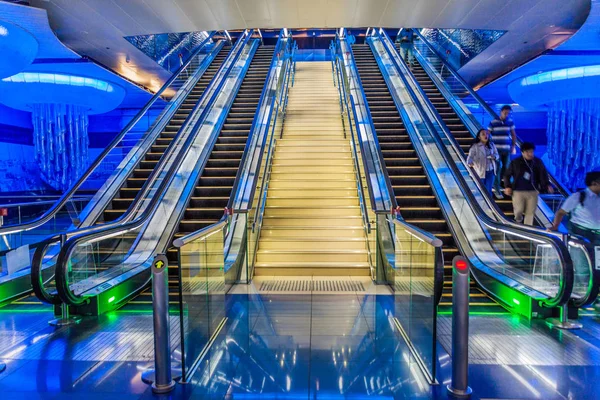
point(60, 104)
point(18, 48)
point(543, 88)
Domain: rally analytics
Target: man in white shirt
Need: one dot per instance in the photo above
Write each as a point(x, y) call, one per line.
point(583, 209)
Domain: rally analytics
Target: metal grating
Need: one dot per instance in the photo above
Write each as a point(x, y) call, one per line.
point(311, 286)
point(107, 338)
point(509, 341)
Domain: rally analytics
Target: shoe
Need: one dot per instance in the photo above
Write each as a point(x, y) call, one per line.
point(498, 195)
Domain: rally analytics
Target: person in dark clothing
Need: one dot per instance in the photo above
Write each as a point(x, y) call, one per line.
point(525, 178)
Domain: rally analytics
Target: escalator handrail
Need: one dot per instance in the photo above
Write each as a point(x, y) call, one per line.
point(420, 234)
point(402, 69)
point(379, 154)
point(562, 190)
point(268, 80)
point(182, 241)
point(130, 213)
point(66, 196)
point(565, 290)
point(64, 256)
point(37, 266)
point(594, 286)
point(262, 198)
point(193, 236)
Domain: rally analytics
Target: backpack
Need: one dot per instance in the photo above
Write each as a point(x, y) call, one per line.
point(582, 195)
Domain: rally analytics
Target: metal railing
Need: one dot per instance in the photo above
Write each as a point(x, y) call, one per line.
point(115, 233)
point(556, 296)
point(107, 150)
point(586, 278)
point(211, 259)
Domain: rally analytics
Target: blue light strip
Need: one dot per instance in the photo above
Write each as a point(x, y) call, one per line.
point(60, 79)
point(561, 74)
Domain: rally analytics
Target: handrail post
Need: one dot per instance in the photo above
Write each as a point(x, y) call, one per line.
point(563, 322)
point(65, 318)
point(459, 387)
point(162, 379)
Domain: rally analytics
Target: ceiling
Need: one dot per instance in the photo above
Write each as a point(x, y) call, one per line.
point(96, 27)
point(580, 50)
point(54, 56)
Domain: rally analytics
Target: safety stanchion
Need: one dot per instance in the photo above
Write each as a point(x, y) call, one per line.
point(459, 387)
point(161, 377)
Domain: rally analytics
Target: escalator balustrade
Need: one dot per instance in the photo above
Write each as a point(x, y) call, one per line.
point(452, 120)
point(414, 194)
point(141, 173)
point(213, 189)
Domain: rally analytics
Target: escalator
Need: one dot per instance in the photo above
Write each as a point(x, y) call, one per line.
point(413, 192)
point(169, 107)
point(455, 125)
point(214, 187)
point(126, 195)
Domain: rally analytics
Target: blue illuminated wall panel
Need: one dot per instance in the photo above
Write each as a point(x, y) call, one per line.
point(19, 171)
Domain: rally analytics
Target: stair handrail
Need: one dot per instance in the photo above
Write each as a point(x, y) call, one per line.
point(565, 290)
point(62, 265)
point(376, 152)
point(66, 196)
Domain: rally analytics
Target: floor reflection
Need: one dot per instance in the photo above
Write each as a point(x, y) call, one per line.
point(312, 346)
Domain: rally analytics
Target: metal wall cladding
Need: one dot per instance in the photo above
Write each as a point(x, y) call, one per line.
point(461, 45)
point(165, 48)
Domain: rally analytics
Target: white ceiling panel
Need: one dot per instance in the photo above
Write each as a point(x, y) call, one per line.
point(311, 13)
point(90, 26)
point(227, 14)
point(482, 11)
point(426, 12)
point(339, 12)
point(143, 13)
point(368, 11)
point(109, 11)
point(256, 13)
point(202, 14)
point(175, 19)
point(456, 11)
point(396, 14)
point(285, 11)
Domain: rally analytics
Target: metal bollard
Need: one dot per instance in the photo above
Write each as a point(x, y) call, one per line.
point(459, 387)
point(163, 380)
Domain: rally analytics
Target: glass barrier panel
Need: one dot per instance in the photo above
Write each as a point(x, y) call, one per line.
point(202, 295)
point(455, 86)
point(582, 269)
point(412, 270)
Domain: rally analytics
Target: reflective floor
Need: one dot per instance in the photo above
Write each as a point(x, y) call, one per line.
point(299, 345)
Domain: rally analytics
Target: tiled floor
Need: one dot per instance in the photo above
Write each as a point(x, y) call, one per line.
point(298, 345)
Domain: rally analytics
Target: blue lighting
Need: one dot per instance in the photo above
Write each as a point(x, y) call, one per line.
point(60, 79)
point(561, 74)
